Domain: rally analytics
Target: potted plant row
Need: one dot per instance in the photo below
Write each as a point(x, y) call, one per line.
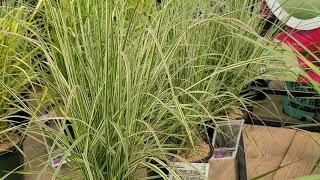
point(17, 74)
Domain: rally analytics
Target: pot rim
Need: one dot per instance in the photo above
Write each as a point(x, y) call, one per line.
point(293, 22)
point(13, 148)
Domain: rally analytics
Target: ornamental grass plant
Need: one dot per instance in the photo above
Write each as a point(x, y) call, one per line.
point(17, 66)
point(136, 79)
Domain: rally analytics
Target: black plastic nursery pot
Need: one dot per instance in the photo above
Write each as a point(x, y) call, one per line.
point(19, 118)
point(208, 132)
point(154, 175)
point(12, 160)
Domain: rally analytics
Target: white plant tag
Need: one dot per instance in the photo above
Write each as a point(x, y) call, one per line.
point(191, 171)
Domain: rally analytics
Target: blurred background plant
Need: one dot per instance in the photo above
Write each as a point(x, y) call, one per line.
point(17, 65)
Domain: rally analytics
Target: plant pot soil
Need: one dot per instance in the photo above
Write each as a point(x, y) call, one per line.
point(202, 154)
point(11, 158)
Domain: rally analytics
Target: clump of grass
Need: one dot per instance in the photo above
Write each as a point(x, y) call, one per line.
point(137, 79)
point(17, 63)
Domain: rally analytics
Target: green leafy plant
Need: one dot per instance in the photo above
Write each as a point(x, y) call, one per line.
point(137, 79)
point(16, 65)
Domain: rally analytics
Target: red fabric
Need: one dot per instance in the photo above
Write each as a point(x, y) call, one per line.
point(309, 39)
point(311, 74)
point(310, 58)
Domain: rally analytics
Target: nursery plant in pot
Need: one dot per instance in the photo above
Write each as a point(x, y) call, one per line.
point(225, 147)
point(205, 162)
point(231, 59)
point(186, 158)
point(135, 83)
point(17, 73)
point(113, 73)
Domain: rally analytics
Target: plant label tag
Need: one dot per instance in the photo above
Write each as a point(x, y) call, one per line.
point(191, 171)
point(57, 160)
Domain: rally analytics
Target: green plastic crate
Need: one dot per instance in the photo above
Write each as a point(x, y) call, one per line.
point(302, 108)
